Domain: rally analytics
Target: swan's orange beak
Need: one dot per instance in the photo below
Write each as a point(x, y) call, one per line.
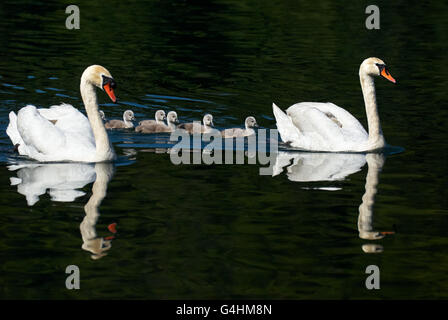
point(110, 92)
point(387, 75)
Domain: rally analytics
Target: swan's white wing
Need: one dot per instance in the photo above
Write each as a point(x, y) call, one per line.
point(348, 121)
point(286, 128)
point(67, 118)
point(338, 116)
point(57, 111)
point(55, 134)
point(12, 130)
point(38, 133)
point(313, 121)
point(327, 127)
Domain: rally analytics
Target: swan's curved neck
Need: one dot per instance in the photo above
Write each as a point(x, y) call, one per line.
point(376, 138)
point(104, 150)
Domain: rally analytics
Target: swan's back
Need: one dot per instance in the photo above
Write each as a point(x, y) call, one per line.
point(67, 118)
point(341, 117)
point(325, 126)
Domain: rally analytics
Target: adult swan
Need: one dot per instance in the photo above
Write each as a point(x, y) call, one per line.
point(62, 133)
point(326, 127)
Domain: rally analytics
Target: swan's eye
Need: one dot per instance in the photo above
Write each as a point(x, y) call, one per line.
point(109, 81)
point(383, 69)
point(380, 66)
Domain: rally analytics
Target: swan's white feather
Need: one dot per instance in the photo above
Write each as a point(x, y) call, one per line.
point(349, 124)
point(70, 137)
point(286, 128)
point(68, 118)
point(11, 130)
point(321, 127)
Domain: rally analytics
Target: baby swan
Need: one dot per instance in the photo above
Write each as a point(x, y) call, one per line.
point(250, 123)
point(128, 117)
point(159, 117)
point(195, 127)
point(171, 120)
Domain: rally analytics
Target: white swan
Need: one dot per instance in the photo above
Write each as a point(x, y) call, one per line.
point(63, 133)
point(326, 127)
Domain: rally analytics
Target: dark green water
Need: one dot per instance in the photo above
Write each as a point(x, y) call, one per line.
point(225, 231)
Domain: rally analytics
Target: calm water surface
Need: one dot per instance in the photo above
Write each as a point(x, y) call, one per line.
point(308, 231)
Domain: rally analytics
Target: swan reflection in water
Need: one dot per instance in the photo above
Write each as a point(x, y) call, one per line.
point(62, 181)
point(313, 167)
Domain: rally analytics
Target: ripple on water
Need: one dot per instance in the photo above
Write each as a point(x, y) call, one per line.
point(65, 96)
point(167, 98)
point(54, 89)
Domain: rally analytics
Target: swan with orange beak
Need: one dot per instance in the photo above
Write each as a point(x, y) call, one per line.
point(62, 132)
point(317, 126)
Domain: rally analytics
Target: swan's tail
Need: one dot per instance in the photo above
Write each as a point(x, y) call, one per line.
point(286, 128)
point(13, 132)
